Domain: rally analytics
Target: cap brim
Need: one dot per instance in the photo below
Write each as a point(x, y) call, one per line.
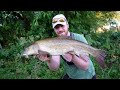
point(62, 23)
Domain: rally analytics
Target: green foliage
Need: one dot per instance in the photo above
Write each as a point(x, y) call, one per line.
point(18, 29)
point(110, 42)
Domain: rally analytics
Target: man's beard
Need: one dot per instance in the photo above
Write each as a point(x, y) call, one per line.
point(63, 33)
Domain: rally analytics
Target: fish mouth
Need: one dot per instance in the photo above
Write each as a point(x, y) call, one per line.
point(25, 55)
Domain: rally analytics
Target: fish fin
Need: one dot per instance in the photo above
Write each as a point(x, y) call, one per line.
point(34, 56)
point(77, 54)
point(43, 52)
point(74, 53)
point(100, 58)
point(71, 52)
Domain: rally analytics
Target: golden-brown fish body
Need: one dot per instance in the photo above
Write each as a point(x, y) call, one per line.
point(62, 45)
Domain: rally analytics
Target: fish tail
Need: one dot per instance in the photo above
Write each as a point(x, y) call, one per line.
point(100, 57)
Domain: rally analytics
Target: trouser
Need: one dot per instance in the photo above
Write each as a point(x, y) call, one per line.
point(67, 77)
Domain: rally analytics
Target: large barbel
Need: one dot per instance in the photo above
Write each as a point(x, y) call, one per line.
point(62, 45)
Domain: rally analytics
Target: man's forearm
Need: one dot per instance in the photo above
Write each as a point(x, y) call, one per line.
point(53, 63)
point(81, 62)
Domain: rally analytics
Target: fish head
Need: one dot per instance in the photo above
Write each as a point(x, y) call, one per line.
point(29, 51)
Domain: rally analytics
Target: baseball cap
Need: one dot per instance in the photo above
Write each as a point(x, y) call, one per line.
point(59, 19)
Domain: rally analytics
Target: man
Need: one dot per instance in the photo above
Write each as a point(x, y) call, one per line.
point(76, 67)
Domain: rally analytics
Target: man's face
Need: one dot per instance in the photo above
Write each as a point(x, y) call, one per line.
point(61, 30)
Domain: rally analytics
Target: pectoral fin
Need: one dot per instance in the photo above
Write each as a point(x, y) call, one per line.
point(43, 53)
point(74, 53)
point(71, 52)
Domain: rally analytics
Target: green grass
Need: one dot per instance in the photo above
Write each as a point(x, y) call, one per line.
point(28, 69)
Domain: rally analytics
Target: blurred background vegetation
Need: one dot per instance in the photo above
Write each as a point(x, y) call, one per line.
point(18, 29)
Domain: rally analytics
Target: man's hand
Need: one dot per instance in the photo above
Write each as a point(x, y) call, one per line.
point(43, 57)
point(68, 56)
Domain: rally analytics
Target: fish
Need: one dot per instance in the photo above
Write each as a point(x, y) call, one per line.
point(63, 45)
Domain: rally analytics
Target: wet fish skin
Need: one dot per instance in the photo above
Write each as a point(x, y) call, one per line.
point(62, 45)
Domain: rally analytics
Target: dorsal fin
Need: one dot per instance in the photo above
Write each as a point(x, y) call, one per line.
point(69, 37)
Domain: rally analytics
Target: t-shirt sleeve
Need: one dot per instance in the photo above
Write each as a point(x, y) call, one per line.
point(81, 38)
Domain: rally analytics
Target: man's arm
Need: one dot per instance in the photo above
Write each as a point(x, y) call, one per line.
point(81, 61)
point(53, 62)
